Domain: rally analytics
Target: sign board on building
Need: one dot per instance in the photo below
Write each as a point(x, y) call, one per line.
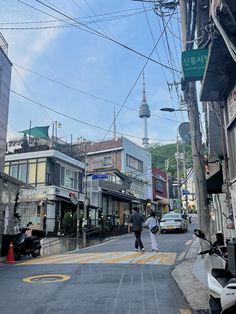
point(185, 192)
point(73, 197)
point(100, 176)
point(194, 63)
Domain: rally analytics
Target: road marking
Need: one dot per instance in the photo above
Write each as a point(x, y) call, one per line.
point(160, 258)
point(185, 311)
point(188, 242)
point(46, 278)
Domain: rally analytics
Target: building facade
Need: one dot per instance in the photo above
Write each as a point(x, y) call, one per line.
point(219, 96)
point(129, 181)
point(160, 190)
point(52, 177)
point(5, 80)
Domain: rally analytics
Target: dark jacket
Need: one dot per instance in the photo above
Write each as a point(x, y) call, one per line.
point(137, 221)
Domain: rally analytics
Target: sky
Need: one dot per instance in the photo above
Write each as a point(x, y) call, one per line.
point(76, 62)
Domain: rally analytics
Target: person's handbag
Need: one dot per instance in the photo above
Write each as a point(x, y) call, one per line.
point(154, 229)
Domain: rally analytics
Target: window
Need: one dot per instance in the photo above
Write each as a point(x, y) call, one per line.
point(159, 185)
point(107, 161)
point(23, 173)
point(32, 173)
point(41, 172)
point(6, 169)
point(14, 171)
point(70, 179)
point(102, 161)
point(134, 163)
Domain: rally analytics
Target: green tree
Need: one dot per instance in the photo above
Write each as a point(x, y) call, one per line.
point(160, 153)
point(68, 223)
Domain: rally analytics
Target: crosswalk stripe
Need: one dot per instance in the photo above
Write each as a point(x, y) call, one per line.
point(162, 258)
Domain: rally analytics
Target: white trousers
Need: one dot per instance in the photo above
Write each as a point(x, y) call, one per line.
point(153, 241)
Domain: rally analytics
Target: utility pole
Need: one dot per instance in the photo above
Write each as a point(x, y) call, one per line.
point(192, 106)
point(185, 177)
point(178, 174)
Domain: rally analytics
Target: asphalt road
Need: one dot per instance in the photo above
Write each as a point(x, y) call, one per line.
point(109, 278)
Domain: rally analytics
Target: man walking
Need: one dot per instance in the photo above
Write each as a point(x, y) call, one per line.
point(136, 219)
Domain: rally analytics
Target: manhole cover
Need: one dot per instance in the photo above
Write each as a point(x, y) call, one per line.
point(46, 278)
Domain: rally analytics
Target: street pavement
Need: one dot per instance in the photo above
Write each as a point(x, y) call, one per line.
point(107, 278)
point(189, 275)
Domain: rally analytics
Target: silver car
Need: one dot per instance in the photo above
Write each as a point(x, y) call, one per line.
point(174, 221)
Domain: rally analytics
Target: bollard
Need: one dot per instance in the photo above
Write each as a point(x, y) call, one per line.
point(10, 255)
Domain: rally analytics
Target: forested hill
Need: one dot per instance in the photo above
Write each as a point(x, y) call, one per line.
point(160, 153)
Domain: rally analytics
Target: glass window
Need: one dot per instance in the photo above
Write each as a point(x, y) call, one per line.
point(41, 172)
point(159, 185)
point(6, 169)
point(68, 178)
point(75, 180)
point(62, 176)
point(107, 161)
point(134, 163)
point(23, 172)
point(32, 173)
point(14, 171)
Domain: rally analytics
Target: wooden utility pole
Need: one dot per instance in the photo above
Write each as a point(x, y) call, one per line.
point(188, 30)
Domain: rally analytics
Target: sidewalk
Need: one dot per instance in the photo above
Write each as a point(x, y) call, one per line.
point(194, 291)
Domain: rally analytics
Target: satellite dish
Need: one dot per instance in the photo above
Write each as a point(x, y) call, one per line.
point(184, 132)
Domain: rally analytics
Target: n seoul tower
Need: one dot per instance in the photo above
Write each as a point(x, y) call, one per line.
point(144, 113)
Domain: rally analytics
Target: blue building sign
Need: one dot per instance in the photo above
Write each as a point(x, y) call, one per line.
point(99, 176)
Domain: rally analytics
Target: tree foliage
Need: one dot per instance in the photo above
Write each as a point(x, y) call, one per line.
point(161, 153)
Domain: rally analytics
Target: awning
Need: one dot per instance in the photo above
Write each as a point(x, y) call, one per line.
point(123, 196)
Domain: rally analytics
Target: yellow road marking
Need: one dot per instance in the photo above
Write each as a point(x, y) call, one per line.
point(66, 258)
point(164, 258)
point(185, 311)
point(81, 260)
point(33, 279)
point(123, 258)
point(148, 259)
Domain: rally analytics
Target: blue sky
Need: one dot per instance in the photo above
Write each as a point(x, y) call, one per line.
point(101, 74)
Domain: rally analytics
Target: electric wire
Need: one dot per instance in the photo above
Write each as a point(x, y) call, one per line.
point(152, 35)
point(86, 93)
point(80, 121)
point(111, 18)
point(92, 31)
point(134, 84)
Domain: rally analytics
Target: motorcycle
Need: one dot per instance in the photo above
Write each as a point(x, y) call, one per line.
point(27, 245)
point(220, 263)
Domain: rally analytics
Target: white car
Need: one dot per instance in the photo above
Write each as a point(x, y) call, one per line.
point(174, 221)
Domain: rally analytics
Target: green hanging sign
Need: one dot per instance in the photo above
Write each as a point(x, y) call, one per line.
point(194, 63)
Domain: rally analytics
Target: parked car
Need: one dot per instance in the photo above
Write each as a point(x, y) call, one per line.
point(174, 221)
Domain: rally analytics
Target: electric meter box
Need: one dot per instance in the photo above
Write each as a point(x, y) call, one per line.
point(231, 251)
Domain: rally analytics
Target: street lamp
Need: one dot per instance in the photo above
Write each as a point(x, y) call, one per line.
point(172, 109)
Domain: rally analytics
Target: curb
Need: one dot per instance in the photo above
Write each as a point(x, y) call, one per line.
point(192, 289)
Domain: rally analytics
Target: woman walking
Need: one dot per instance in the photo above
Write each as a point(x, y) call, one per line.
point(152, 223)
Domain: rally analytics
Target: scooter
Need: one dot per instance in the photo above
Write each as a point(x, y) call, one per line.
point(27, 245)
point(221, 274)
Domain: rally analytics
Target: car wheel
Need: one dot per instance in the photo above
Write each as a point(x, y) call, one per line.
point(162, 231)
